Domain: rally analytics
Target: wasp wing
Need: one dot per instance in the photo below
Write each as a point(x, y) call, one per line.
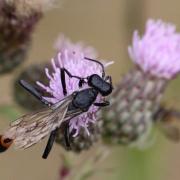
point(31, 128)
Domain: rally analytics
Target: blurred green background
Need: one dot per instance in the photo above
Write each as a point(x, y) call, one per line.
point(107, 25)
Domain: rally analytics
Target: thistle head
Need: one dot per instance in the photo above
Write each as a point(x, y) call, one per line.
point(73, 60)
point(158, 51)
point(29, 7)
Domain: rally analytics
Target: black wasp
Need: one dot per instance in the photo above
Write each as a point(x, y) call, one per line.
point(31, 128)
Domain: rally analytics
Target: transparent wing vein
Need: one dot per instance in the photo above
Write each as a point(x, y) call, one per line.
point(31, 128)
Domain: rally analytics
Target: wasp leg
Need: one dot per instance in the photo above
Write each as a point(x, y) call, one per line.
point(33, 91)
point(81, 82)
point(102, 104)
point(52, 139)
point(49, 144)
point(63, 79)
point(66, 136)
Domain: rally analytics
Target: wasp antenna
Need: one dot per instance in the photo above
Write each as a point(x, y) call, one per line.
point(5, 143)
point(96, 61)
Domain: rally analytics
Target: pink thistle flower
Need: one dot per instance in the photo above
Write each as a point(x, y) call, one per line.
point(158, 51)
point(136, 99)
point(71, 56)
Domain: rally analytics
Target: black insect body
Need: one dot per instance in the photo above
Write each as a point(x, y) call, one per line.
point(100, 85)
point(84, 98)
point(71, 106)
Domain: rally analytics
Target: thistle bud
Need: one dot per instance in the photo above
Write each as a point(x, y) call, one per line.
point(18, 19)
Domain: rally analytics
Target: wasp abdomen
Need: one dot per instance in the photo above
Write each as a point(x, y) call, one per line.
point(5, 143)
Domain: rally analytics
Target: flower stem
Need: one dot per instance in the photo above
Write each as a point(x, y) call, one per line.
point(142, 165)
